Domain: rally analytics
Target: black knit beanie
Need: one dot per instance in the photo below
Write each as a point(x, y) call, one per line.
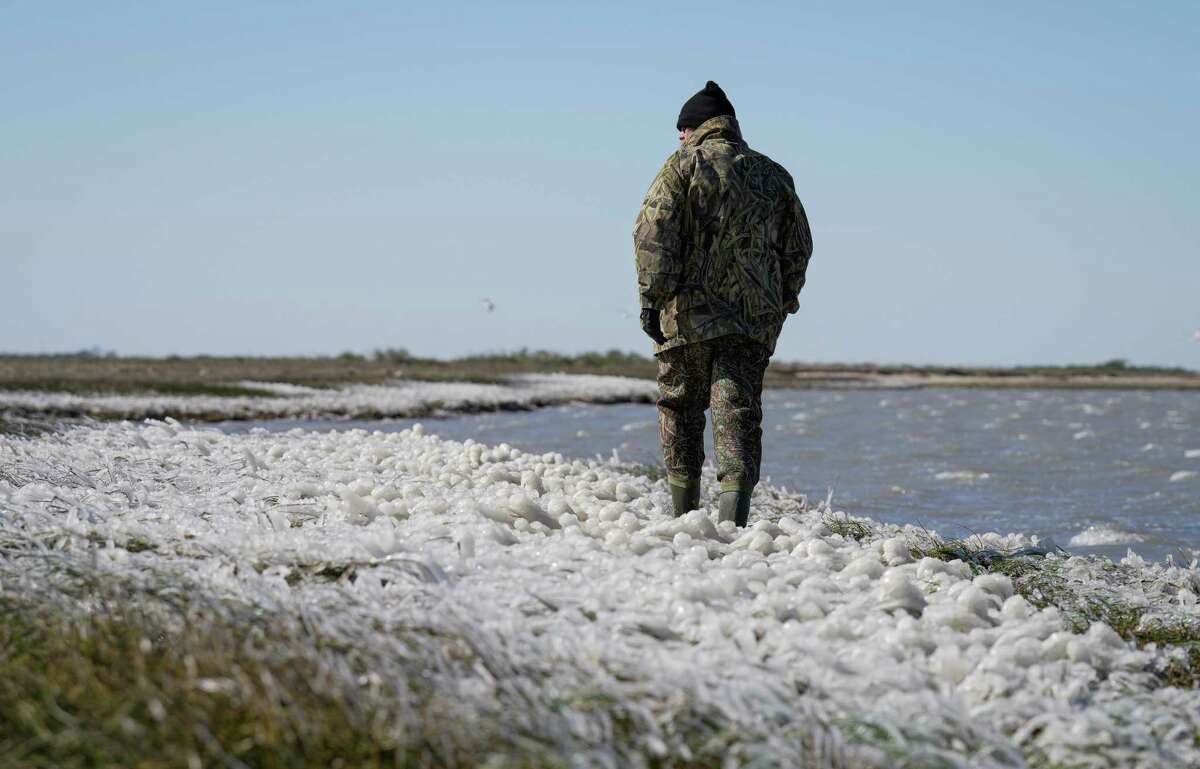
point(708, 103)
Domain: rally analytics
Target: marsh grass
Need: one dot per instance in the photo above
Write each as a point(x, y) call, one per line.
point(27, 426)
point(642, 470)
point(204, 375)
point(207, 375)
point(126, 685)
point(101, 671)
point(845, 526)
point(146, 387)
point(115, 690)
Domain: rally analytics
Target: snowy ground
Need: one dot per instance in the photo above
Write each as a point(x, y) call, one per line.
point(600, 629)
point(398, 399)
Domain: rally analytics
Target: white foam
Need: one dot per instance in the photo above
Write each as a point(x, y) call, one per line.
point(1096, 536)
point(279, 388)
point(961, 475)
point(396, 399)
point(1182, 475)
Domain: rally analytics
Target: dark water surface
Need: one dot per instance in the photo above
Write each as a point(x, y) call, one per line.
point(1096, 471)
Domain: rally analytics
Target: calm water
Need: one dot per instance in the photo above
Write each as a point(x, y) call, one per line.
point(1054, 463)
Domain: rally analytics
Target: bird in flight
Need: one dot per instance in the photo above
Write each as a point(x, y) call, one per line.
point(489, 304)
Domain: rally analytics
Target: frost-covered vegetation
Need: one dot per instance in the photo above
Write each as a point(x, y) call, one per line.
point(90, 373)
point(266, 400)
point(173, 595)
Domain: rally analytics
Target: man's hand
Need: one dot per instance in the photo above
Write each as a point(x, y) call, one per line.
point(651, 327)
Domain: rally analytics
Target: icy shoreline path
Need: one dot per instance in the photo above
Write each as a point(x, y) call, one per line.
point(599, 627)
point(398, 399)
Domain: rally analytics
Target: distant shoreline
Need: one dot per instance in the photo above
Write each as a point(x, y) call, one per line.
point(990, 379)
point(222, 375)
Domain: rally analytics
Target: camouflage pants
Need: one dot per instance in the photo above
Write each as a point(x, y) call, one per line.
point(726, 375)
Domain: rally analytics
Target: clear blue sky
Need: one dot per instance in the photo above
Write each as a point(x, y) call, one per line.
point(987, 182)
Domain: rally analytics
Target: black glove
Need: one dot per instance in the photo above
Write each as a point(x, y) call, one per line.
point(651, 327)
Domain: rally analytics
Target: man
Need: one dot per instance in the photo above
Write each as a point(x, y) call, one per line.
point(722, 245)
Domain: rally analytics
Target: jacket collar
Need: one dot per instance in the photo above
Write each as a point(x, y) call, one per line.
point(722, 127)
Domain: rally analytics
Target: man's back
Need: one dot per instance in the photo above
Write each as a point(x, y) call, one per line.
point(722, 242)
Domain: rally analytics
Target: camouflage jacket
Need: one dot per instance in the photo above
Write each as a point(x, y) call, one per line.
point(721, 242)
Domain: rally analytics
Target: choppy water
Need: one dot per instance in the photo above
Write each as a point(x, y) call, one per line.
point(1096, 471)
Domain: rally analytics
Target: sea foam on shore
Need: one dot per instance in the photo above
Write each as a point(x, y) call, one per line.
point(402, 398)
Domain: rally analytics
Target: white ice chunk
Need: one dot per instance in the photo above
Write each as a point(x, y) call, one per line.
point(896, 591)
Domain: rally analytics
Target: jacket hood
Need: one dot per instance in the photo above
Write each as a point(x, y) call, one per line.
point(721, 127)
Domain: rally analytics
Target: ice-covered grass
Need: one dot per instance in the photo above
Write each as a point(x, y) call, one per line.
point(280, 599)
point(182, 389)
point(272, 400)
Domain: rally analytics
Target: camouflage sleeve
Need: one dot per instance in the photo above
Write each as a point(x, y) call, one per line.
point(794, 256)
point(658, 236)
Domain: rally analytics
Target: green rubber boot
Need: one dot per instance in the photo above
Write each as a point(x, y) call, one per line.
point(735, 506)
point(685, 498)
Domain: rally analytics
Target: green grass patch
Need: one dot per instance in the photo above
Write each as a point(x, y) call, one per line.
point(847, 527)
